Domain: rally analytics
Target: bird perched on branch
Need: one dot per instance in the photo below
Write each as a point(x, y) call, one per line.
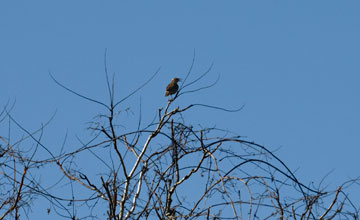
point(173, 87)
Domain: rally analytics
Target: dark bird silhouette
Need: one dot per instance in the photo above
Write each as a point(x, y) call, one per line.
point(173, 87)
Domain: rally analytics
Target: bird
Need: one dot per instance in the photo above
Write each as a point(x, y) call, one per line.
point(173, 87)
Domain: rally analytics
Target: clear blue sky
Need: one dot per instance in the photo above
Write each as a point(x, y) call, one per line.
point(294, 64)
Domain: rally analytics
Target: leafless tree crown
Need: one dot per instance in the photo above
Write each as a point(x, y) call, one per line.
point(167, 169)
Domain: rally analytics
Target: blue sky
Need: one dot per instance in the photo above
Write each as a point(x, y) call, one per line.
point(294, 64)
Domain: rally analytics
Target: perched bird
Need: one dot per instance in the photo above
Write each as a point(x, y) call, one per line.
point(173, 87)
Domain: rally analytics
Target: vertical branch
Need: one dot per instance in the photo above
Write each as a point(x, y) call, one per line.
point(137, 193)
point(276, 196)
point(175, 151)
point(18, 194)
point(332, 204)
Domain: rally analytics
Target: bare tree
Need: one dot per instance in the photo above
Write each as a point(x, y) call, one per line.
point(172, 169)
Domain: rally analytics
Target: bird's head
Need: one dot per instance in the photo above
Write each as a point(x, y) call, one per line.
point(176, 79)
